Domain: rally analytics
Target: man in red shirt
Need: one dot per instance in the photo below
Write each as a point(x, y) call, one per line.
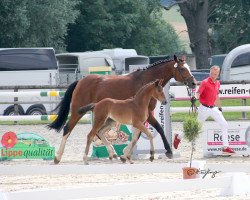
point(208, 94)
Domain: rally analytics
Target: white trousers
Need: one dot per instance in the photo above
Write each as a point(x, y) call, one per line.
point(204, 113)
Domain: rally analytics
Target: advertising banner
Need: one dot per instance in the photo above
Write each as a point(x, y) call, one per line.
point(25, 146)
point(238, 138)
point(241, 91)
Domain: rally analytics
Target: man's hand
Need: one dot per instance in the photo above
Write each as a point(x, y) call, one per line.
point(193, 99)
point(220, 109)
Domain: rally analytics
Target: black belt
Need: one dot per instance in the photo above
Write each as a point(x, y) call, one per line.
point(208, 106)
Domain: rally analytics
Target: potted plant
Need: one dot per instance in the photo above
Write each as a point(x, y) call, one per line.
point(191, 130)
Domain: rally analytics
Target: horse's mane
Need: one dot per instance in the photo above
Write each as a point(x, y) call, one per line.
point(155, 64)
point(142, 88)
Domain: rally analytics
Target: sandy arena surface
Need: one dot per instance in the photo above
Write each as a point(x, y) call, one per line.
point(73, 155)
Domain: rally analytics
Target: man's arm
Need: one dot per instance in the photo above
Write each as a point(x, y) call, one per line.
point(197, 95)
point(218, 103)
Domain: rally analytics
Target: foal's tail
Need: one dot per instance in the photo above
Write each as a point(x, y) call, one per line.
point(84, 109)
point(64, 107)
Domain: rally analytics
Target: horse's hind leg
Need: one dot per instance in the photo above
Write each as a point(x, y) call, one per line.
point(90, 138)
point(127, 151)
point(99, 121)
point(66, 132)
point(108, 125)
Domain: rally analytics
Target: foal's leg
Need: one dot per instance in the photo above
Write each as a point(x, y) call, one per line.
point(98, 123)
point(143, 129)
point(66, 132)
point(127, 151)
point(153, 122)
point(108, 125)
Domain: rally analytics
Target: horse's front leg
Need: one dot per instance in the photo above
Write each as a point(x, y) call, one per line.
point(143, 129)
point(153, 122)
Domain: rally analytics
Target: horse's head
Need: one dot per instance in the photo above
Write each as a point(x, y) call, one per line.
point(183, 73)
point(158, 92)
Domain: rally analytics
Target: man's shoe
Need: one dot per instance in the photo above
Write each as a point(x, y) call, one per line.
point(176, 141)
point(228, 151)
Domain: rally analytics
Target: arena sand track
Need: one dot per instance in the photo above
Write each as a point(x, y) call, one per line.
point(73, 156)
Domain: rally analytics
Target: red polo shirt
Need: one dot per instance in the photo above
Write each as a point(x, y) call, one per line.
point(208, 91)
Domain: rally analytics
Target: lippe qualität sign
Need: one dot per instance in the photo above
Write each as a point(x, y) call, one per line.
point(25, 146)
point(239, 139)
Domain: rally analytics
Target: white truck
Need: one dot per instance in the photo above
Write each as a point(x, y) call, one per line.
point(27, 66)
point(236, 65)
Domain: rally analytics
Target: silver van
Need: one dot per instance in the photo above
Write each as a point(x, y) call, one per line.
point(236, 65)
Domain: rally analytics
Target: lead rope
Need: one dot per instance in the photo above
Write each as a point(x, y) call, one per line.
point(191, 94)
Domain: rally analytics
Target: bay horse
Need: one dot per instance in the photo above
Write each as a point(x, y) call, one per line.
point(132, 111)
point(94, 88)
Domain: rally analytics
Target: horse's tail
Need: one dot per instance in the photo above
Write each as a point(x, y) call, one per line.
point(86, 108)
point(64, 107)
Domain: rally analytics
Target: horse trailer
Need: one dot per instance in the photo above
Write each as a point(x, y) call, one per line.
point(74, 66)
point(125, 60)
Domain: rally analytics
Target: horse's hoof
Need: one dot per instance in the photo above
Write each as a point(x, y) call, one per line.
point(151, 158)
point(86, 163)
point(110, 158)
point(169, 155)
point(131, 162)
point(56, 161)
point(115, 156)
point(123, 159)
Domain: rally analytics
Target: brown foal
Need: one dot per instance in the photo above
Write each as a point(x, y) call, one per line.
point(132, 111)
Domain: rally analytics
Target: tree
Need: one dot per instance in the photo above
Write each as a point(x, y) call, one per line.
point(34, 23)
point(50, 25)
point(101, 24)
point(118, 23)
point(13, 22)
point(229, 24)
point(227, 20)
point(195, 13)
point(152, 35)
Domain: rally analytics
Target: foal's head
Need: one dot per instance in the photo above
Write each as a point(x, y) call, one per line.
point(183, 74)
point(158, 92)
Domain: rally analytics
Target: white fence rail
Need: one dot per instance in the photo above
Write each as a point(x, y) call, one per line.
point(225, 109)
point(181, 93)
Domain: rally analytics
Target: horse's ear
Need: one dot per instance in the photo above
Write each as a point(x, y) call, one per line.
point(176, 59)
point(157, 82)
point(161, 82)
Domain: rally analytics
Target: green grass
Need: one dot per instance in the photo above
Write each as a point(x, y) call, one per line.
point(177, 117)
point(35, 122)
point(172, 15)
point(229, 116)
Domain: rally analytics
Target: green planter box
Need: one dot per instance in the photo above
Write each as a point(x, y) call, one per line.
point(102, 152)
